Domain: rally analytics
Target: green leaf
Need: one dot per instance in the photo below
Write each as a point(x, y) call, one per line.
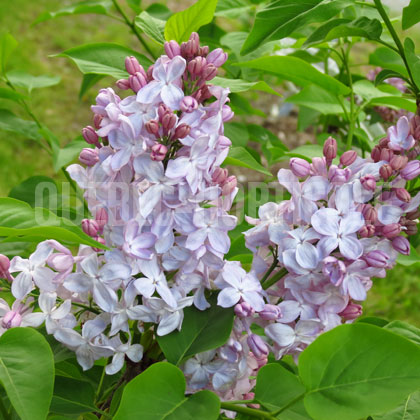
point(28, 81)
point(276, 388)
point(99, 7)
point(264, 136)
point(7, 46)
point(37, 191)
point(339, 28)
point(388, 59)
point(297, 71)
point(201, 331)
point(232, 8)
point(72, 396)
point(6, 93)
point(404, 329)
point(19, 220)
point(152, 27)
point(395, 102)
point(159, 11)
point(307, 152)
point(88, 81)
point(374, 320)
point(356, 370)
point(385, 74)
point(410, 14)
point(68, 153)
point(409, 409)
point(238, 156)
point(27, 372)
point(413, 60)
point(281, 17)
point(10, 122)
point(411, 259)
point(180, 25)
point(158, 394)
point(237, 133)
point(238, 85)
point(367, 90)
point(102, 58)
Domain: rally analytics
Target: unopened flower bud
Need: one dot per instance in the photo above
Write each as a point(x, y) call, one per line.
point(243, 310)
point(90, 227)
point(229, 185)
point(338, 175)
point(383, 142)
point(386, 154)
point(219, 175)
point(401, 245)
point(367, 231)
point(392, 230)
point(402, 194)
point(413, 215)
point(370, 213)
point(270, 312)
point(209, 72)
point(132, 65)
point(149, 73)
point(330, 148)
point(152, 127)
point(398, 162)
point(352, 311)
point(385, 171)
point(101, 217)
point(123, 84)
point(158, 152)
point(182, 131)
point(377, 258)
point(347, 158)
point(90, 136)
point(257, 346)
point(97, 118)
point(4, 267)
point(223, 142)
point(61, 262)
point(368, 182)
point(137, 81)
point(411, 170)
point(203, 51)
point(376, 154)
point(410, 227)
point(299, 167)
point(163, 110)
point(101, 241)
point(188, 104)
point(319, 166)
point(172, 49)
point(12, 319)
point(168, 121)
point(227, 113)
point(89, 157)
point(217, 57)
point(195, 67)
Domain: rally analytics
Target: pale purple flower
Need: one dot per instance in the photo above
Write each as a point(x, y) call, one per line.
point(201, 367)
point(52, 313)
point(399, 135)
point(301, 240)
point(133, 351)
point(136, 243)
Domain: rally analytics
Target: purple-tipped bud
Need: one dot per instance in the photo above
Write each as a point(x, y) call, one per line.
point(195, 67)
point(270, 313)
point(223, 142)
point(319, 166)
point(243, 310)
point(334, 269)
point(137, 81)
point(376, 154)
point(158, 152)
point(377, 258)
point(132, 65)
point(190, 48)
point(299, 167)
point(368, 182)
point(90, 227)
point(229, 185)
point(383, 143)
point(386, 154)
point(203, 51)
point(4, 267)
point(219, 175)
point(367, 231)
point(209, 72)
point(12, 319)
point(149, 73)
point(411, 170)
point(401, 245)
point(188, 104)
point(162, 110)
point(195, 37)
point(152, 127)
point(227, 113)
point(97, 119)
point(330, 149)
point(385, 171)
point(391, 231)
point(217, 57)
point(89, 157)
point(352, 311)
point(257, 346)
point(168, 121)
point(123, 84)
point(90, 136)
point(101, 218)
point(172, 49)
point(101, 241)
point(398, 162)
point(402, 194)
point(347, 158)
point(413, 215)
point(410, 227)
point(370, 213)
point(182, 131)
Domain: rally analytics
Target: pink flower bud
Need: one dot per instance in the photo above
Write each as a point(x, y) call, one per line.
point(227, 113)
point(257, 346)
point(12, 319)
point(152, 127)
point(158, 152)
point(411, 170)
point(188, 104)
point(4, 267)
point(90, 136)
point(386, 154)
point(251, 396)
point(149, 74)
point(123, 84)
point(243, 310)
point(132, 65)
point(330, 148)
point(377, 258)
point(61, 262)
point(270, 312)
point(172, 49)
point(413, 215)
point(101, 217)
point(229, 185)
point(385, 171)
point(190, 48)
point(137, 81)
point(219, 175)
point(376, 154)
point(368, 182)
point(352, 311)
point(369, 213)
point(261, 362)
point(299, 167)
point(223, 142)
point(89, 157)
point(97, 119)
point(203, 51)
point(347, 158)
point(410, 227)
point(367, 231)
point(398, 162)
point(392, 230)
point(217, 57)
point(101, 241)
point(209, 72)
point(383, 143)
point(90, 227)
point(182, 131)
point(401, 245)
point(402, 194)
point(319, 166)
point(168, 121)
point(195, 67)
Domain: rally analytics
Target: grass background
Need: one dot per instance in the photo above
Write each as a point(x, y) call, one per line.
point(395, 297)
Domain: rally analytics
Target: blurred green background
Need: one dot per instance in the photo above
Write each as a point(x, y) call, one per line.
point(395, 297)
